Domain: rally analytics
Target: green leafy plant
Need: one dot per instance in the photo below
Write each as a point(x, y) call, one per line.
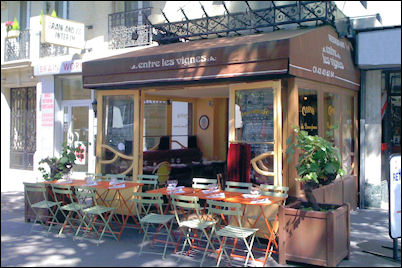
point(59, 166)
point(54, 14)
point(319, 161)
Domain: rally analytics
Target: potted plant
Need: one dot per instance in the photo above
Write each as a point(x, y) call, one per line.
point(312, 232)
point(57, 167)
point(13, 28)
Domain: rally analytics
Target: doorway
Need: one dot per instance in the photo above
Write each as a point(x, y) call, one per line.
point(78, 129)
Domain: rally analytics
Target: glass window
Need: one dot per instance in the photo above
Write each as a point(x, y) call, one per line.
point(181, 123)
point(71, 87)
point(331, 118)
point(155, 122)
point(308, 116)
point(254, 124)
point(118, 120)
point(348, 157)
point(395, 85)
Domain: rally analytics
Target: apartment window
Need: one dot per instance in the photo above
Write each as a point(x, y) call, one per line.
point(61, 8)
point(23, 127)
point(24, 14)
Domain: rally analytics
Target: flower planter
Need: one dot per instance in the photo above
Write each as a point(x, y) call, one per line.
point(350, 190)
point(314, 237)
point(13, 33)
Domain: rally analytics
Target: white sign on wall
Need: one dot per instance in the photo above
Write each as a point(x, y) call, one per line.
point(62, 32)
point(395, 196)
point(63, 67)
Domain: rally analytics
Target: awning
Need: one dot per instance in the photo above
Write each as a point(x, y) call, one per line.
point(279, 52)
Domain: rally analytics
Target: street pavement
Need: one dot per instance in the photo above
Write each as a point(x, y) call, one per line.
point(369, 231)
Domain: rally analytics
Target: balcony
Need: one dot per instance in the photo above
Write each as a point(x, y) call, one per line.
point(129, 29)
point(50, 50)
point(17, 48)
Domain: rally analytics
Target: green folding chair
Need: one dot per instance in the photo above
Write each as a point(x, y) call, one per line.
point(144, 202)
point(87, 196)
point(65, 195)
point(189, 227)
point(44, 204)
point(97, 176)
point(119, 177)
point(203, 183)
point(239, 187)
point(247, 235)
point(150, 181)
point(275, 191)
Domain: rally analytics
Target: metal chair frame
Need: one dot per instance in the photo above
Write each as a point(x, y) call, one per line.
point(191, 203)
point(84, 194)
point(239, 187)
point(230, 231)
point(144, 202)
point(44, 204)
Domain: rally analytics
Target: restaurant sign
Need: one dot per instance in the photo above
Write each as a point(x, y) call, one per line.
point(62, 32)
point(322, 56)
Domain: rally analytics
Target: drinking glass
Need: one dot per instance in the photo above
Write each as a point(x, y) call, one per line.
point(171, 184)
point(255, 191)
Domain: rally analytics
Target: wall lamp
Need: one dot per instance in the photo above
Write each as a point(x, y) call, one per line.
point(95, 107)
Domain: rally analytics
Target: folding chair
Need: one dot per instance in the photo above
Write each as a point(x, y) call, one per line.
point(144, 202)
point(95, 175)
point(203, 183)
point(87, 195)
point(240, 187)
point(150, 181)
point(162, 170)
point(276, 191)
point(230, 231)
point(64, 194)
point(119, 177)
point(190, 203)
point(44, 204)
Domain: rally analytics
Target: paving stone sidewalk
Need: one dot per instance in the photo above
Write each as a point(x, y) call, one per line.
point(369, 230)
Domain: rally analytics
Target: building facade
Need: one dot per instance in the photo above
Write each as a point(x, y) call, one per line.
point(44, 102)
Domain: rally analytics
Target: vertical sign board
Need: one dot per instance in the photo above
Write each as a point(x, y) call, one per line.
point(395, 197)
point(47, 108)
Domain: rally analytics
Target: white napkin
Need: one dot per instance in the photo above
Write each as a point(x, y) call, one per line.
point(118, 186)
point(91, 184)
point(261, 201)
point(210, 191)
point(175, 188)
point(220, 195)
point(251, 195)
point(69, 181)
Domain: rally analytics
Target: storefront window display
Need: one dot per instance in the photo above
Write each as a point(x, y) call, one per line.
point(331, 118)
point(308, 115)
point(348, 157)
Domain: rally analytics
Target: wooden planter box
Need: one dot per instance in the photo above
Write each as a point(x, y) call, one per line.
point(314, 237)
point(341, 191)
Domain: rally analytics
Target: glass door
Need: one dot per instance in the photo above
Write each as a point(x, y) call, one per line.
point(118, 141)
point(77, 130)
point(255, 119)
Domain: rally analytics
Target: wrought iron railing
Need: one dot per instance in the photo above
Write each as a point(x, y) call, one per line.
point(130, 28)
point(275, 17)
point(50, 50)
point(17, 48)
